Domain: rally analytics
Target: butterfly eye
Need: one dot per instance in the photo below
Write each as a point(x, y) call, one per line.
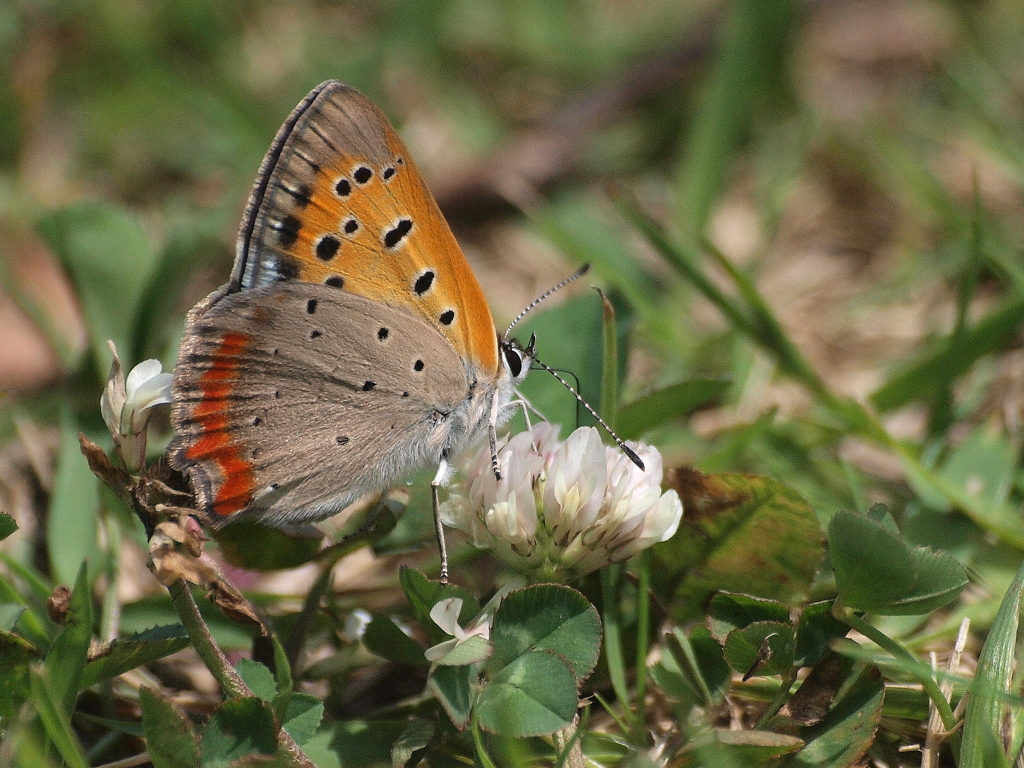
point(513, 359)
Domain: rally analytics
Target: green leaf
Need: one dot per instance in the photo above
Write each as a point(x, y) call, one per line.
point(132, 651)
point(609, 362)
point(984, 466)
point(15, 657)
point(359, 743)
point(989, 703)
point(239, 728)
point(815, 631)
point(65, 660)
point(302, 717)
point(845, 735)
point(472, 650)
point(260, 548)
point(259, 679)
point(453, 687)
point(579, 352)
point(7, 525)
point(384, 638)
point(749, 54)
point(535, 694)
point(74, 502)
point(282, 679)
point(110, 260)
point(693, 671)
point(9, 615)
point(416, 736)
point(924, 378)
point(729, 610)
point(876, 571)
point(50, 704)
point(547, 617)
point(170, 739)
point(579, 225)
point(665, 405)
point(740, 533)
point(754, 748)
point(761, 648)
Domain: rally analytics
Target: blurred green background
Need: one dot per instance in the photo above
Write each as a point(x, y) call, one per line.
point(808, 215)
point(859, 162)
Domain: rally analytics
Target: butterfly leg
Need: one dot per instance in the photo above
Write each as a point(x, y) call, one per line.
point(522, 402)
point(439, 478)
point(492, 437)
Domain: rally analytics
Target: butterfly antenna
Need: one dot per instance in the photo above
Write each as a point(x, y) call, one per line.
point(575, 276)
point(590, 409)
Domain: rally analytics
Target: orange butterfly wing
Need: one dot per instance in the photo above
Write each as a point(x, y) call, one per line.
point(339, 201)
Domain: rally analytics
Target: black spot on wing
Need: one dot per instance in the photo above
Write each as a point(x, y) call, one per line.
point(287, 230)
point(301, 194)
point(314, 166)
point(397, 233)
point(287, 267)
point(423, 282)
point(362, 174)
point(327, 247)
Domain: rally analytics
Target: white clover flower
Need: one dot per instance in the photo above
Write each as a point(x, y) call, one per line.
point(355, 625)
point(126, 405)
point(445, 614)
point(563, 507)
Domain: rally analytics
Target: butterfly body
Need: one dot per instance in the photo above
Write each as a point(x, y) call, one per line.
point(352, 344)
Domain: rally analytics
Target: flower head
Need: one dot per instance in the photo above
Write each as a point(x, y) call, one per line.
point(563, 506)
point(126, 405)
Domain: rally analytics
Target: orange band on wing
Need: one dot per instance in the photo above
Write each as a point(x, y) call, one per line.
point(217, 383)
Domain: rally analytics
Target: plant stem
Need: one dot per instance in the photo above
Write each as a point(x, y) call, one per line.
point(914, 665)
point(612, 619)
point(215, 660)
point(211, 654)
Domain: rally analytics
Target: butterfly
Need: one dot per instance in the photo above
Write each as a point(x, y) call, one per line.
point(352, 344)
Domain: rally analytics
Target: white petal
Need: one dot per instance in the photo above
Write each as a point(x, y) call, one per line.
point(445, 614)
point(355, 624)
point(660, 524)
point(156, 391)
point(140, 374)
point(576, 483)
point(439, 651)
point(663, 520)
point(112, 400)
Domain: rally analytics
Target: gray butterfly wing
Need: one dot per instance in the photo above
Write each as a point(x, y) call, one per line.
point(294, 400)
